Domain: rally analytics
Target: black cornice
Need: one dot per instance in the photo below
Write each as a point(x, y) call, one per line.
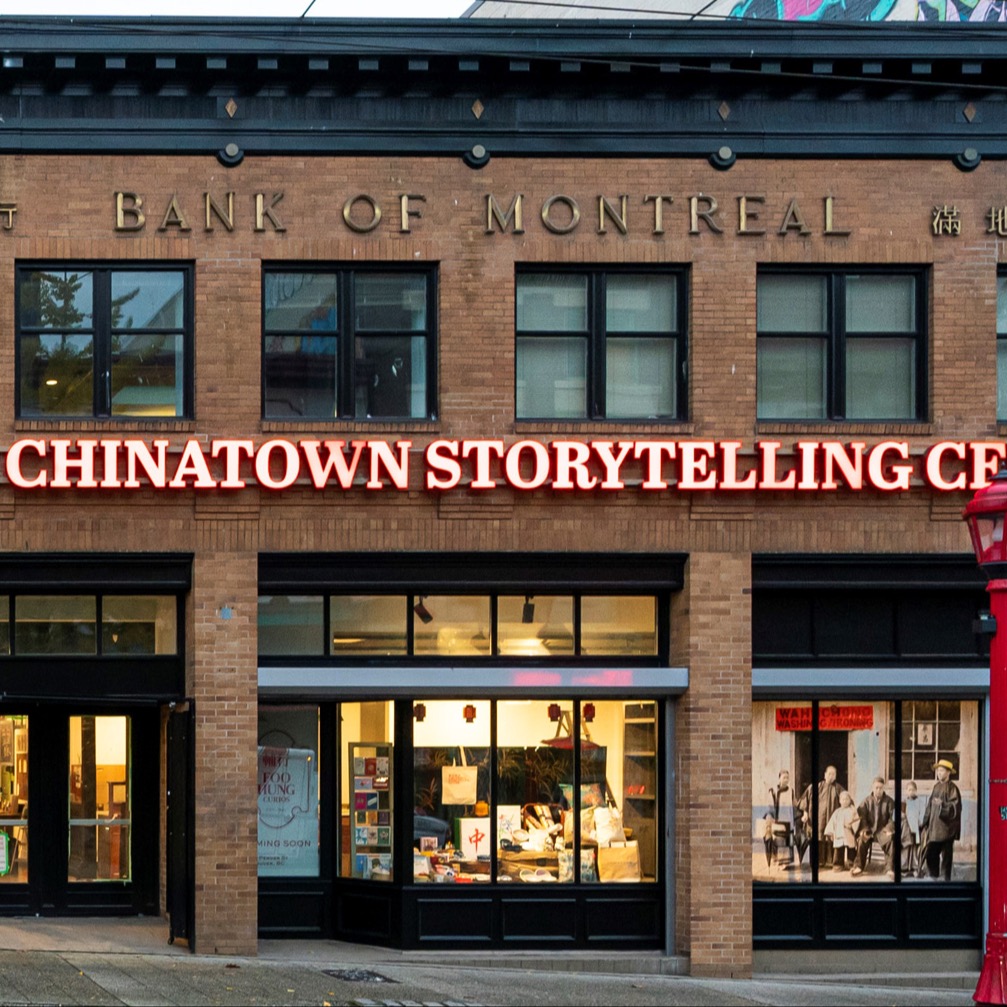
point(606, 88)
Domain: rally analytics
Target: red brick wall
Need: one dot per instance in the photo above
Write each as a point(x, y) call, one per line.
point(66, 211)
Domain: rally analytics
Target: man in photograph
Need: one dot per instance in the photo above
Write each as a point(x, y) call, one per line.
point(877, 824)
point(942, 820)
point(828, 800)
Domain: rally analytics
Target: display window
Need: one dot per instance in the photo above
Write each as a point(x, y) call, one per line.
point(288, 807)
point(535, 791)
point(865, 791)
point(366, 791)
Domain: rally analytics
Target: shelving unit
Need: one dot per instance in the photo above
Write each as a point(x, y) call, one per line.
point(370, 765)
point(639, 798)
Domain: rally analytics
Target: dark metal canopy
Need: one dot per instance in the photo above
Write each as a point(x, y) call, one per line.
point(609, 88)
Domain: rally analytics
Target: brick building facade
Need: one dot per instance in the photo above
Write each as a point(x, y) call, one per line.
point(242, 169)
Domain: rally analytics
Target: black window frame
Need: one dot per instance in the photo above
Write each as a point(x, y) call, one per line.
point(597, 336)
point(1001, 345)
point(836, 336)
point(101, 331)
point(346, 335)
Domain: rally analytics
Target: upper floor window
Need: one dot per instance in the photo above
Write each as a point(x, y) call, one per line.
point(348, 344)
point(1002, 346)
point(841, 345)
point(600, 344)
point(104, 341)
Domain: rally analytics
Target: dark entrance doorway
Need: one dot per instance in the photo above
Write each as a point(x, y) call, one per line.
point(78, 810)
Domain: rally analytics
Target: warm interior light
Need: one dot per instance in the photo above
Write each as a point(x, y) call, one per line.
point(345, 640)
point(51, 382)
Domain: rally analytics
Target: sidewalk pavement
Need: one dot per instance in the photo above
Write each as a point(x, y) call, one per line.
point(128, 961)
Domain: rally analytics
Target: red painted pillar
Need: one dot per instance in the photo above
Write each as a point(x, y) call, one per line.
point(992, 985)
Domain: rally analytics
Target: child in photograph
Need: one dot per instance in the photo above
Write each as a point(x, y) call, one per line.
point(840, 830)
point(913, 811)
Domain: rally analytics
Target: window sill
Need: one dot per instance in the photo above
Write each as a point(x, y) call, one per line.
point(846, 428)
point(118, 424)
point(351, 426)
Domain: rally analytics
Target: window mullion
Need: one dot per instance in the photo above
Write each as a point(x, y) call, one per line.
point(101, 322)
point(597, 337)
point(345, 385)
point(837, 349)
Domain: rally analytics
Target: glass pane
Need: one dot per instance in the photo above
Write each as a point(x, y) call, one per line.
point(618, 626)
point(148, 373)
point(291, 624)
point(57, 374)
point(13, 798)
point(1002, 305)
point(535, 626)
point(640, 303)
point(551, 303)
point(451, 790)
point(880, 303)
point(56, 300)
point(139, 624)
point(390, 302)
point(792, 303)
point(4, 626)
point(1002, 379)
point(148, 300)
point(640, 378)
point(451, 625)
point(368, 624)
point(880, 379)
point(618, 746)
point(535, 841)
point(99, 805)
point(855, 837)
point(287, 785)
point(390, 377)
point(300, 376)
point(54, 625)
point(551, 378)
point(366, 791)
point(791, 378)
point(781, 774)
point(298, 302)
point(940, 799)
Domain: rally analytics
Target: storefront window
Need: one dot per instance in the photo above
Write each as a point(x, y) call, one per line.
point(618, 626)
point(535, 626)
point(99, 805)
point(139, 625)
point(618, 791)
point(535, 840)
point(451, 790)
point(288, 768)
point(940, 775)
point(55, 625)
point(367, 813)
point(452, 625)
point(368, 625)
point(14, 799)
point(291, 625)
point(865, 816)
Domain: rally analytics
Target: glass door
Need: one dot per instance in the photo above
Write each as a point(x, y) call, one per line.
point(99, 803)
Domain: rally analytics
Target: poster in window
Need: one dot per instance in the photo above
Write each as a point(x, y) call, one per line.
point(288, 819)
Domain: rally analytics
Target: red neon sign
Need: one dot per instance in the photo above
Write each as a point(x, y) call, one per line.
point(593, 466)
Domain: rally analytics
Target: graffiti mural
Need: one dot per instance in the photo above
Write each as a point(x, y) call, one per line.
point(871, 10)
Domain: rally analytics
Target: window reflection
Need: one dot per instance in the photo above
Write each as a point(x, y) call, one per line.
point(452, 625)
